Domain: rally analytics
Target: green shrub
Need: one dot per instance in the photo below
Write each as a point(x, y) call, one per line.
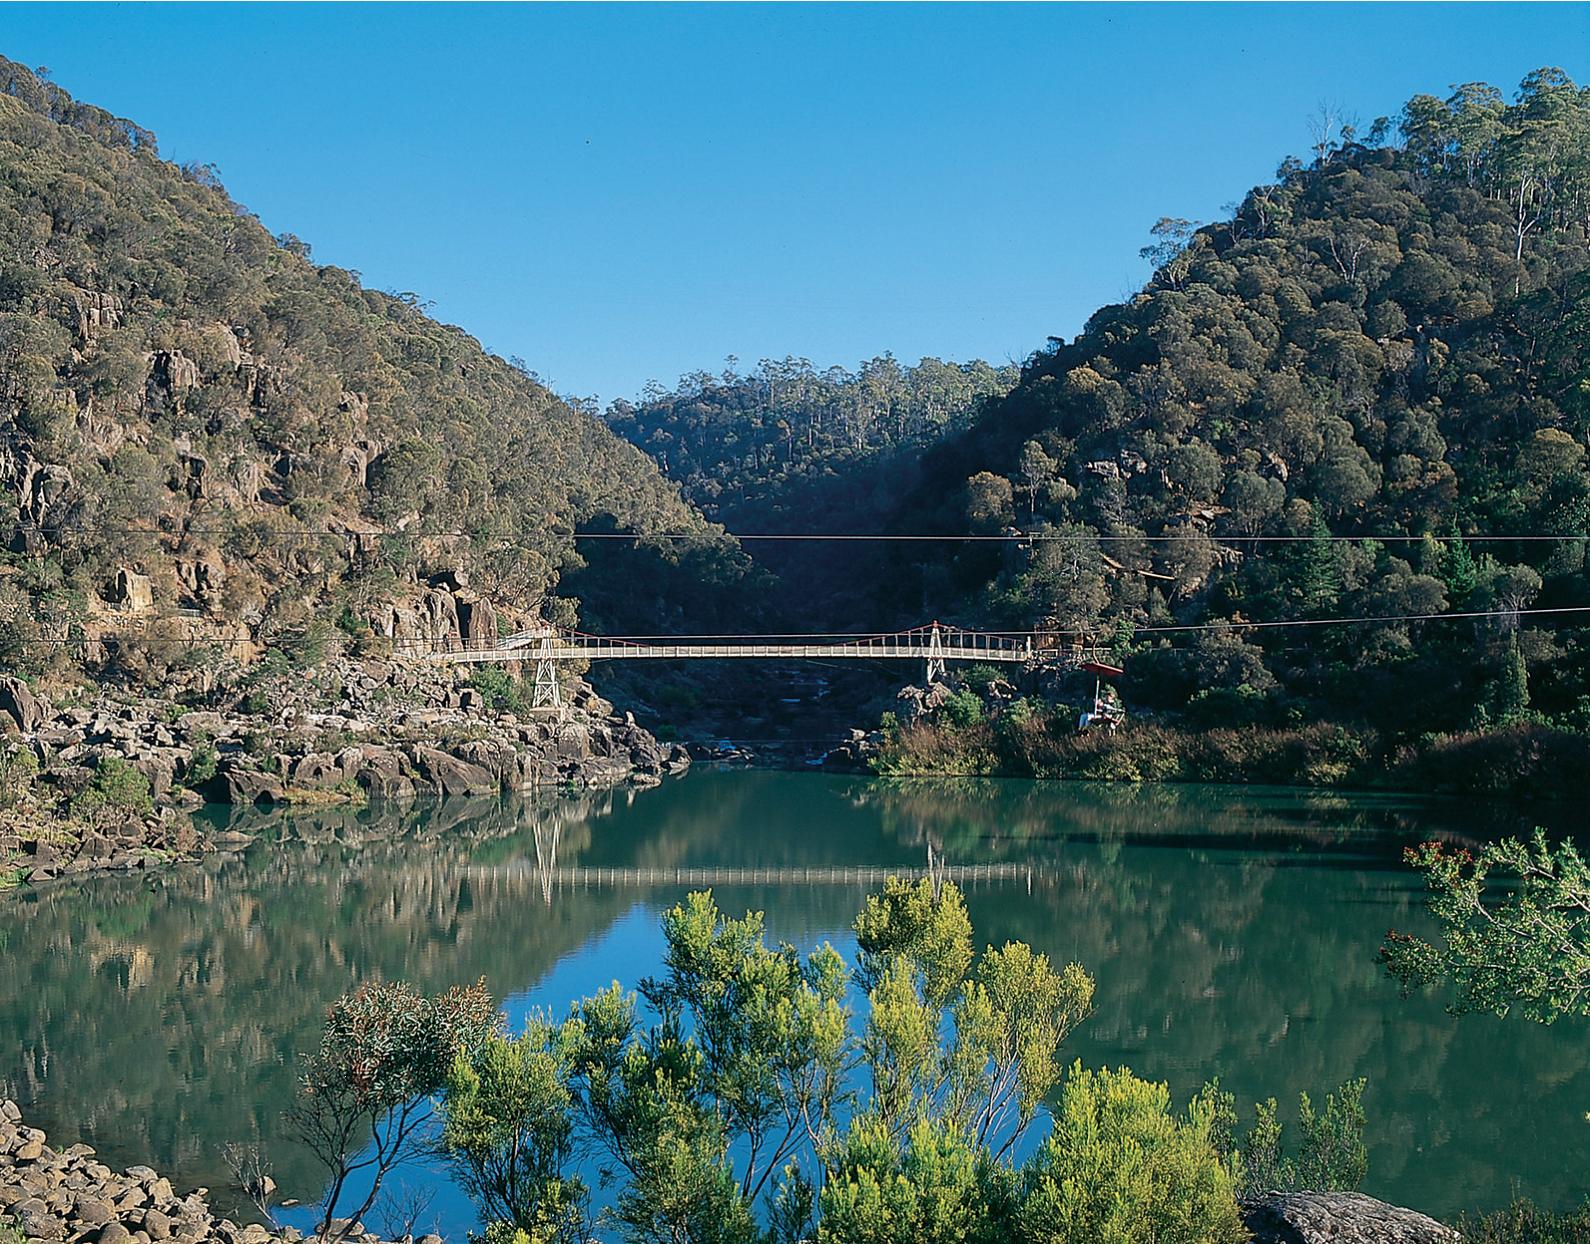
point(309, 647)
point(980, 677)
point(498, 688)
point(1119, 1166)
point(117, 790)
point(202, 763)
point(18, 768)
point(273, 662)
point(962, 709)
point(509, 1130)
point(1331, 1155)
point(935, 1188)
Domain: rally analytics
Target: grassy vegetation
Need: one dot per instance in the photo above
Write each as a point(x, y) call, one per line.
point(1526, 1223)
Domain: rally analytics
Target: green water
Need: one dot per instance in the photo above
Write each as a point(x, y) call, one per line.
point(1232, 933)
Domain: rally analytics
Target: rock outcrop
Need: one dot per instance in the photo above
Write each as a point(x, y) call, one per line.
point(1338, 1218)
point(23, 707)
point(351, 730)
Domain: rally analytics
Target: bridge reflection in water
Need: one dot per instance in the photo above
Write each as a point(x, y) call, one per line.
point(547, 828)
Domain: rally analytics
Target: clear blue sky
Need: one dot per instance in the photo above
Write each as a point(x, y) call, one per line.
point(630, 192)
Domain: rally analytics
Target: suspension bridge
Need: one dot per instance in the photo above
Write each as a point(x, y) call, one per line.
point(934, 643)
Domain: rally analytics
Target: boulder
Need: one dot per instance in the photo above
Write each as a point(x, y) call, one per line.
point(25, 708)
point(448, 775)
point(1338, 1218)
point(92, 1212)
point(317, 771)
point(574, 741)
point(380, 773)
point(161, 770)
point(250, 786)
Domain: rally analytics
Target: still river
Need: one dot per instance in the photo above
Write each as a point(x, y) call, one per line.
point(1232, 933)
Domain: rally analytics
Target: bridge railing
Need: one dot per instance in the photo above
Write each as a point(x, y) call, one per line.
point(934, 640)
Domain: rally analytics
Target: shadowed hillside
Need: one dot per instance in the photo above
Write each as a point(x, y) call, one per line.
point(204, 435)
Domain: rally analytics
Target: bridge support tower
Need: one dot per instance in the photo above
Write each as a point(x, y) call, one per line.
point(935, 661)
point(546, 693)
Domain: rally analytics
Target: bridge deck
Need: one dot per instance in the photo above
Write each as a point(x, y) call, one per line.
point(565, 651)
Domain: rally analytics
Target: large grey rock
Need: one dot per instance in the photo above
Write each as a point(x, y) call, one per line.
point(476, 619)
point(25, 708)
point(1338, 1218)
point(448, 775)
point(92, 1212)
point(317, 770)
point(380, 773)
point(250, 786)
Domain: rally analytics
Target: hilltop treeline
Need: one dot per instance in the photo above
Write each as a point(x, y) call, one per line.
point(300, 446)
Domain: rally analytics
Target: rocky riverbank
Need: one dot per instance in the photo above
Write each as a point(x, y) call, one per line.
point(107, 781)
point(67, 1196)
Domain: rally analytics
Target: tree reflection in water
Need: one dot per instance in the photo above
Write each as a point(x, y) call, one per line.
point(1232, 933)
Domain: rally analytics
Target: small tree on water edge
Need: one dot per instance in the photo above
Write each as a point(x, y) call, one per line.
point(364, 1095)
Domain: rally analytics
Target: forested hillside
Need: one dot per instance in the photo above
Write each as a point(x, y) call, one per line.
point(204, 433)
point(788, 449)
point(1367, 393)
point(794, 449)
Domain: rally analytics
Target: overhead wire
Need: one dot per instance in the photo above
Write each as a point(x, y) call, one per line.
point(1038, 537)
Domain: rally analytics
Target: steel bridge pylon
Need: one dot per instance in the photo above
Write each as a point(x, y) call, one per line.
point(546, 693)
point(935, 660)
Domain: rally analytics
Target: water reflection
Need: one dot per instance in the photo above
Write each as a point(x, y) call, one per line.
point(1232, 933)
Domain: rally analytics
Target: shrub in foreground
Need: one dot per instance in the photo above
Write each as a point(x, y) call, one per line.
point(1122, 1166)
point(743, 1096)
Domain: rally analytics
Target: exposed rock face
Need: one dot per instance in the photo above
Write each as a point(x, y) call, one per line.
point(133, 590)
point(918, 702)
point(25, 708)
point(40, 488)
point(1338, 1218)
point(476, 619)
point(67, 1195)
point(203, 579)
point(94, 311)
point(171, 373)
